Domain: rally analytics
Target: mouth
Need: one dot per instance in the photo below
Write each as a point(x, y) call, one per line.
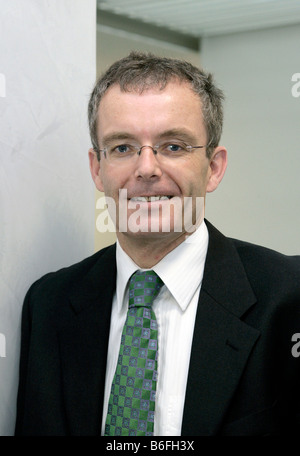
point(150, 199)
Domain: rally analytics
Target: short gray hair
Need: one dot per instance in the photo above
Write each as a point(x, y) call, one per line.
point(141, 71)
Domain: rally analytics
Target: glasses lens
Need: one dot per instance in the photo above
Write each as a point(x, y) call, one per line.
point(173, 148)
point(121, 151)
point(124, 151)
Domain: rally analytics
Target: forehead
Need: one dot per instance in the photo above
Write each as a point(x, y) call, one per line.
point(176, 101)
point(175, 86)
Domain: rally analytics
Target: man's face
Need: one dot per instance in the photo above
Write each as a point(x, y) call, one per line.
point(173, 113)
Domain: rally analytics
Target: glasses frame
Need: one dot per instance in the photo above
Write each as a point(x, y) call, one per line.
point(139, 149)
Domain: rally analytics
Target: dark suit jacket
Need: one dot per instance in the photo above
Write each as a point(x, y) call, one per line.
point(242, 380)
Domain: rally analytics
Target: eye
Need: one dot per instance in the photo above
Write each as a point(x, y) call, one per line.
point(173, 148)
point(122, 148)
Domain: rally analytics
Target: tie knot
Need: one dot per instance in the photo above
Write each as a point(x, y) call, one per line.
point(144, 286)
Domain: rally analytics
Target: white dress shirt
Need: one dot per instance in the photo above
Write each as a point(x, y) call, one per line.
point(175, 309)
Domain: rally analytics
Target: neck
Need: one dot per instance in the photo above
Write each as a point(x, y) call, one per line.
point(147, 252)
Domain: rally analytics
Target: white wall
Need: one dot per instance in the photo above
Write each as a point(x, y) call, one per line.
point(259, 198)
point(48, 68)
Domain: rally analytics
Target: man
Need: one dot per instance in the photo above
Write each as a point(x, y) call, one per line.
point(225, 312)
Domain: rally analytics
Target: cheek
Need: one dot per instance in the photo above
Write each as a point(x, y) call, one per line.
point(112, 181)
point(201, 174)
point(106, 185)
point(191, 176)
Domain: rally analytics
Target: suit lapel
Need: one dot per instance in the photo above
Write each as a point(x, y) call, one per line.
point(83, 345)
point(222, 342)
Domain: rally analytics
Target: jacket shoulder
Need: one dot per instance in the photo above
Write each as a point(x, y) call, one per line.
point(269, 269)
point(253, 252)
point(55, 285)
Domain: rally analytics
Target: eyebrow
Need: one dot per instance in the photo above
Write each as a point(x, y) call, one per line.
point(180, 133)
point(117, 136)
point(173, 133)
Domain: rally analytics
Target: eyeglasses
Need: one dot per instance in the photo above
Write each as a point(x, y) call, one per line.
point(124, 152)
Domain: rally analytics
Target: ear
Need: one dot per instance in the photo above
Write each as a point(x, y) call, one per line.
point(218, 164)
point(95, 169)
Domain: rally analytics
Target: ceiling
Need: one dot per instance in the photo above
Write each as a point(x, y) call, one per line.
point(199, 18)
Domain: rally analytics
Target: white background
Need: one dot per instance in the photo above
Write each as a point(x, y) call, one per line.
point(47, 59)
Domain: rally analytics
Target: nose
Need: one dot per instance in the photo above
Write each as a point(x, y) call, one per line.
point(147, 165)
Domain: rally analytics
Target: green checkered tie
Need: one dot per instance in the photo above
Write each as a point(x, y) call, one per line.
point(132, 398)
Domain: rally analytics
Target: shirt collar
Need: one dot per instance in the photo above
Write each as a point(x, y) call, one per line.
point(181, 270)
point(125, 268)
